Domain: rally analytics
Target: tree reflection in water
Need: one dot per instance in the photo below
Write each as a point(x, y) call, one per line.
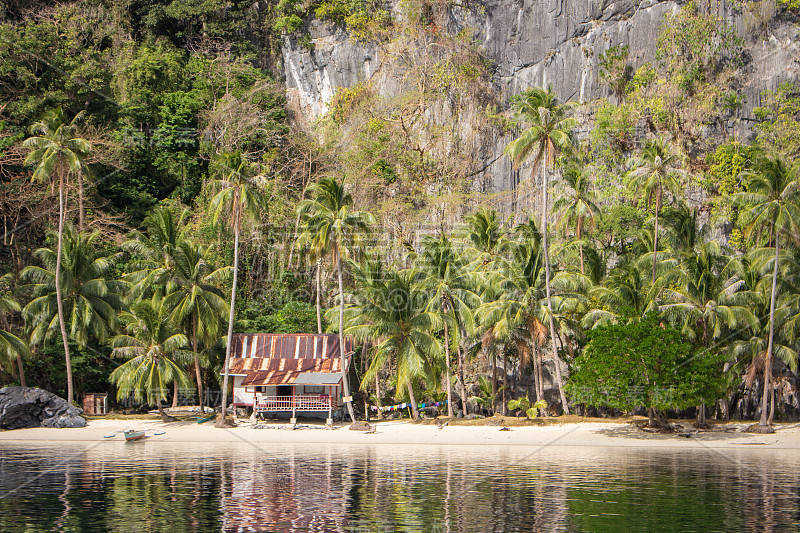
point(174, 487)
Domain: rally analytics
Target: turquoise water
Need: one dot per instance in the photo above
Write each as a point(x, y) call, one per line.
point(158, 486)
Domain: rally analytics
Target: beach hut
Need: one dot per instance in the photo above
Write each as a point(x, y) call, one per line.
point(288, 373)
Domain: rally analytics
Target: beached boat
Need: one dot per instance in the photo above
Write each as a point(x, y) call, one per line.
point(132, 434)
point(201, 419)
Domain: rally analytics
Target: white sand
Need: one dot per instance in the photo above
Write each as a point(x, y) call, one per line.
point(405, 433)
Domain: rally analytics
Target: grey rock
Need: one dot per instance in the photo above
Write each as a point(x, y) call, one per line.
point(25, 407)
point(473, 416)
point(534, 43)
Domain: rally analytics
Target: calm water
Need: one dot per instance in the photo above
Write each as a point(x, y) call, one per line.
point(152, 486)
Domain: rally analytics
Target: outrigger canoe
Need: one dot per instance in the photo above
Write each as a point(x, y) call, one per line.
point(132, 434)
point(201, 419)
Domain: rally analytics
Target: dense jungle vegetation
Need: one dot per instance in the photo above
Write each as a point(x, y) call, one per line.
point(638, 262)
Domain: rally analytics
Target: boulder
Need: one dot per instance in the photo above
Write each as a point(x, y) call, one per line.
point(25, 407)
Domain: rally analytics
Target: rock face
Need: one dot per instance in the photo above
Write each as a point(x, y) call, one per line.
point(25, 407)
point(536, 43)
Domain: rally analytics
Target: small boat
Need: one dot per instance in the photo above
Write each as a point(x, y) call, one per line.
point(132, 434)
point(201, 419)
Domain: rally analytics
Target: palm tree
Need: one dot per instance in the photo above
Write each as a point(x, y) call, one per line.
point(164, 231)
point(657, 173)
point(156, 354)
point(706, 299)
point(195, 300)
point(87, 292)
point(329, 225)
point(238, 194)
point(549, 134)
point(488, 238)
point(626, 294)
point(11, 346)
point(772, 202)
point(576, 203)
point(57, 152)
point(397, 316)
point(449, 284)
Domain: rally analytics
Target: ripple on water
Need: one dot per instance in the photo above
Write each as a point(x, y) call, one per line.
point(148, 486)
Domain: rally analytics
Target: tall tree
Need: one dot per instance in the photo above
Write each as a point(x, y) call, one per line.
point(450, 287)
point(705, 300)
point(87, 293)
point(155, 354)
point(330, 225)
point(238, 194)
point(196, 302)
point(57, 152)
point(154, 250)
point(772, 202)
point(397, 316)
point(658, 172)
point(576, 204)
point(549, 134)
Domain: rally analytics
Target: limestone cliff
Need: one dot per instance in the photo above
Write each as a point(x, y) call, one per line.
point(538, 43)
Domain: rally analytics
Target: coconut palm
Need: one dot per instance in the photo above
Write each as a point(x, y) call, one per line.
point(89, 296)
point(155, 354)
point(657, 173)
point(706, 299)
point(11, 347)
point(238, 194)
point(772, 202)
point(396, 315)
point(329, 226)
point(626, 294)
point(549, 134)
point(450, 284)
point(57, 152)
point(576, 204)
point(195, 302)
point(164, 231)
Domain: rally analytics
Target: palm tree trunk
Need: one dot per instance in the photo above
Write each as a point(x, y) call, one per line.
point(345, 384)
point(319, 306)
point(81, 217)
point(655, 234)
point(21, 370)
point(59, 303)
point(174, 394)
point(494, 381)
point(505, 381)
point(447, 377)
point(578, 235)
point(197, 364)
point(765, 421)
point(378, 394)
point(547, 292)
point(461, 384)
point(414, 409)
point(228, 344)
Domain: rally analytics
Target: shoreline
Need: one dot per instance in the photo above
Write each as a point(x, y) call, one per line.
point(402, 433)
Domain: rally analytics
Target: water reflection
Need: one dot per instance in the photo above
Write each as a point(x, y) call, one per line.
point(151, 486)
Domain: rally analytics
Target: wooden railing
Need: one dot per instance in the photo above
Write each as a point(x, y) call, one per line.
point(293, 403)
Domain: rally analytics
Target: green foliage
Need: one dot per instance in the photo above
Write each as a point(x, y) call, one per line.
point(779, 120)
point(694, 46)
point(346, 99)
point(524, 404)
point(615, 70)
point(614, 131)
point(642, 78)
point(364, 19)
point(644, 364)
point(293, 317)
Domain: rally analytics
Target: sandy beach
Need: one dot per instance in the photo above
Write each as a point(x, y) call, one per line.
point(592, 434)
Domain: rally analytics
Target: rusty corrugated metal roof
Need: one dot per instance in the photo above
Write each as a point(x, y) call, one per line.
point(277, 359)
point(286, 371)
